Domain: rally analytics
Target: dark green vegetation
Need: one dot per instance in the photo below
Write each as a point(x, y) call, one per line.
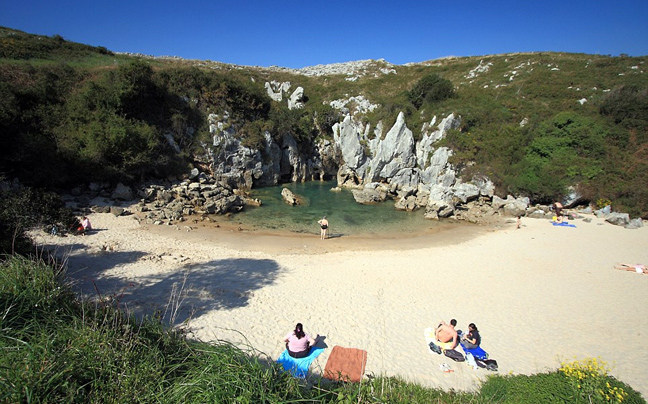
point(74, 113)
point(55, 348)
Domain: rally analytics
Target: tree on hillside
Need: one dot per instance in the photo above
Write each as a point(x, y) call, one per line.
point(430, 88)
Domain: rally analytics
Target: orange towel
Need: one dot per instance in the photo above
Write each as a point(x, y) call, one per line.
point(347, 364)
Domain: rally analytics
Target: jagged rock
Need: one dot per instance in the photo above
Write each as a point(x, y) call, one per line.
point(346, 177)
point(406, 178)
point(276, 90)
point(424, 147)
point(465, 192)
point(289, 197)
point(347, 136)
point(296, 100)
point(394, 152)
point(439, 170)
point(439, 204)
point(485, 186)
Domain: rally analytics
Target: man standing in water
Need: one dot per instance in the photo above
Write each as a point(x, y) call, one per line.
point(324, 227)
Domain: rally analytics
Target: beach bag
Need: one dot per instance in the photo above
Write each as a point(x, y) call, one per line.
point(488, 364)
point(435, 348)
point(454, 355)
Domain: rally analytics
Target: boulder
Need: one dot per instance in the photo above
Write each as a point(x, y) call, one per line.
point(408, 203)
point(618, 219)
point(289, 197)
point(122, 192)
point(369, 195)
point(634, 224)
point(117, 210)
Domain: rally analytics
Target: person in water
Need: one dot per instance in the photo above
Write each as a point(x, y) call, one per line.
point(324, 224)
point(298, 342)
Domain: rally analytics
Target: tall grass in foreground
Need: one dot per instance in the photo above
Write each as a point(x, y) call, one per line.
point(55, 348)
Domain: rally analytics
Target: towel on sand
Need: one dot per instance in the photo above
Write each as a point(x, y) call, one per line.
point(478, 352)
point(564, 224)
point(346, 364)
point(298, 367)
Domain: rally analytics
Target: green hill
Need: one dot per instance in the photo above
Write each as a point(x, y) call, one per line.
point(537, 124)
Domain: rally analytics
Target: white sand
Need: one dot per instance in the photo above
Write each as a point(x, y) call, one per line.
point(539, 295)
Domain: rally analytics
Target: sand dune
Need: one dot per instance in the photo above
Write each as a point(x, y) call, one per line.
point(539, 295)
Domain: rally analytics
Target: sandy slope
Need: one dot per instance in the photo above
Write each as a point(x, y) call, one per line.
point(539, 295)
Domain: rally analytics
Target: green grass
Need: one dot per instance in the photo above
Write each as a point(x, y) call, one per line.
point(57, 348)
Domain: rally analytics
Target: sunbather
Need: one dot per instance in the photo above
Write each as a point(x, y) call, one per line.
point(638, 268)
point(298, 342)
point(446, 335)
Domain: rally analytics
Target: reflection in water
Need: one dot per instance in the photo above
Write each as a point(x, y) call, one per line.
point(345, 215)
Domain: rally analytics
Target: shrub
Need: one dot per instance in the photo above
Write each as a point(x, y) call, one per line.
point(590, 379)
point(430, 88)
point(23, 208)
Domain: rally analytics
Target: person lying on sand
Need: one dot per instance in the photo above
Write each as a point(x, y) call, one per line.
point(446, 335)
point(638, 268)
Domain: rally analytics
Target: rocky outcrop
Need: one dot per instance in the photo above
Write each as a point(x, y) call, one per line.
point(289, 197)
point(242, 167)
point(415, 174)
point(205, 196)
point(296, 100)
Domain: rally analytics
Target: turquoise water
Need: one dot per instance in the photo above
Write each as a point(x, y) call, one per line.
point(344, 214)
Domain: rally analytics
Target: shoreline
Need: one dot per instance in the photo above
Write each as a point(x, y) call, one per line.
point(276, 241)
point(539, 295)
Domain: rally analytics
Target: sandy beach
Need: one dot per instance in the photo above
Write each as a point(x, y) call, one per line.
point(539, 295)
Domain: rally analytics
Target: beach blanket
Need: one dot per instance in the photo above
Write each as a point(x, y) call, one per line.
point(347, 364)
point(563, 224)
point(478, 352)
point(298, 367)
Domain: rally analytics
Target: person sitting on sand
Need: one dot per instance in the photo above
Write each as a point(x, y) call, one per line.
point(324, 227)
point(77, 227)
point(638, 268)
point(472, 339)
point(446, 335)
point(86, 224)
point(298, 342)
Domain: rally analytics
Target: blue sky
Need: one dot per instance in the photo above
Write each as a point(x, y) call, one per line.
point(305, 33)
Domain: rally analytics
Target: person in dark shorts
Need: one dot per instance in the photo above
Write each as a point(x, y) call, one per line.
point(324, 224)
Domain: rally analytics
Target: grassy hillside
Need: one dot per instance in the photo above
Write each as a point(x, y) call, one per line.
point(535, 123)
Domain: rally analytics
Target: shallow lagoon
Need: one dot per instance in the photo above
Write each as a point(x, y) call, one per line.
point(345, 215)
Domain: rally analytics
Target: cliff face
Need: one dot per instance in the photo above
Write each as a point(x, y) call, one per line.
point(376, 165)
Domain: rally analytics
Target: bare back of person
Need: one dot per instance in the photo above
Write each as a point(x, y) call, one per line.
point(446, 333)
